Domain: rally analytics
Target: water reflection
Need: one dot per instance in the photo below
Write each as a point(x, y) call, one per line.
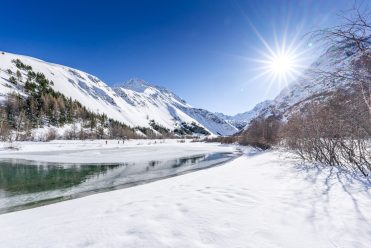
point(18, 177)
point(25, 184)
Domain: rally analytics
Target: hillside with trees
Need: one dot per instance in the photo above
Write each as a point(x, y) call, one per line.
point(40, 106)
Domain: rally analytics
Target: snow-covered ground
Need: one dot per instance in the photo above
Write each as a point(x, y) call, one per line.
point(256, 200)
point(97, 151)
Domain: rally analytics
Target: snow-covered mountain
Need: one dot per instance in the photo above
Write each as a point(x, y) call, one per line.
point(167, 109)
point(135, 103)
point(242, 119)
point(308, 87)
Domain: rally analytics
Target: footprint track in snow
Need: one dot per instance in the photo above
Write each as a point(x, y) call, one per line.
point(229, 194)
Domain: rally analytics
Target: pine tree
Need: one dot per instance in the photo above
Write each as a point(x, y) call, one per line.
point(19, 75)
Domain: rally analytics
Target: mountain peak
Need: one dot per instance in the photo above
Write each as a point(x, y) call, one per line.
point(136, 84)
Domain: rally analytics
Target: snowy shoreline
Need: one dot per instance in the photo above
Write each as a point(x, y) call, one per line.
point(261, 200)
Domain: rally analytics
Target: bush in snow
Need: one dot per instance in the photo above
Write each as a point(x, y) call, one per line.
point(51, 134)
point(262, 133)
point(336, 133)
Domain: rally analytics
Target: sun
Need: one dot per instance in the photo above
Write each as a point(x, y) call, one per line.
point(279, 64)
point(282, 64)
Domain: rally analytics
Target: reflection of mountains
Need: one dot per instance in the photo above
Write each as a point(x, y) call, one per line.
point(25, 178)
point(183, 161)
point(25, 184)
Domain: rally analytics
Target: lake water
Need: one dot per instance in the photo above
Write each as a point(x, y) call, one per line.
point(26, 184)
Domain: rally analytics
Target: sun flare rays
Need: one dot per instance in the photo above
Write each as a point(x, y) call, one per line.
point(281, 61)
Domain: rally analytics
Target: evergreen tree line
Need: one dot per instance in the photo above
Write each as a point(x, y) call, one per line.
point(20, 114)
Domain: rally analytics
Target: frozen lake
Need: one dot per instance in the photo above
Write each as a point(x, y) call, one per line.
point(26, 183)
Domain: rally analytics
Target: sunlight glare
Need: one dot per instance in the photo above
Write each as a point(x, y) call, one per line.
point(282, 62)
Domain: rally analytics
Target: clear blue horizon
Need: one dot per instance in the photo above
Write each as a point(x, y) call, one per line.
point(202, 50)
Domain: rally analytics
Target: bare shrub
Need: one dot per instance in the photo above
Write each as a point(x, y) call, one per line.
point(335, 133)
point(5, 131)
point(355, 32)
point(69, 135)
point(51, 134)
point(222, 139)
point(83, 135)
point(262, 133)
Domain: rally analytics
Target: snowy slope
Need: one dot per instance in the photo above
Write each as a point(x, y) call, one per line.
point(134, 103)
point(166, 108)
point(306, 88)
point(242, 119)
point(260, 200)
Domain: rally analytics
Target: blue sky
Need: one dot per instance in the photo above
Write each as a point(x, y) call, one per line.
point(202, 50)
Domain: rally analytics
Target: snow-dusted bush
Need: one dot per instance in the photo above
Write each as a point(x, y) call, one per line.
point(51, 134)
point(336, 133)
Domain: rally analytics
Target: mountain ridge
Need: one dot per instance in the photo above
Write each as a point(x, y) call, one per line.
point(135, 102)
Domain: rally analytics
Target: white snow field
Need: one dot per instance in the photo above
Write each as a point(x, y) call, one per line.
point(257, 200)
